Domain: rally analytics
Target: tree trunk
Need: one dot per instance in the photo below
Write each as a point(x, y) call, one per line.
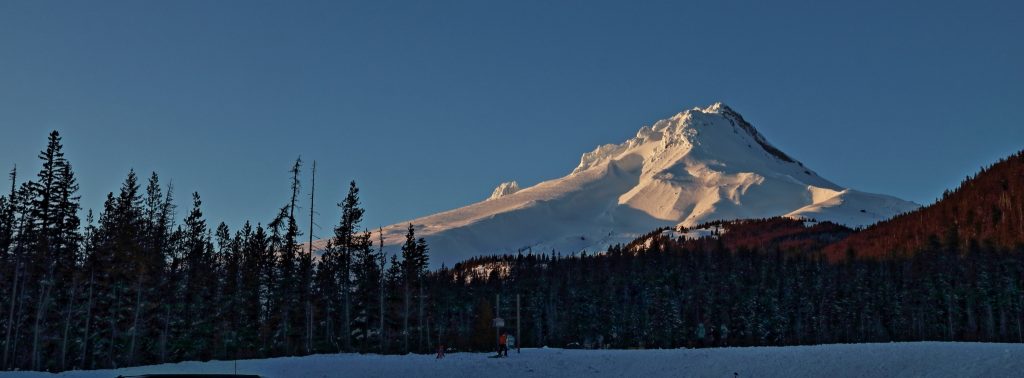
point(10, 316)
point(135, 320)
point(88, 317)
point(113, 327)
point(346, 321)
point(380, 332)
point(41, 305)
point(309, 265)
point(285, 320)
point(19, 317)
point(405, 320)
point(67, 325)
point(165, 335)
point(422, 330)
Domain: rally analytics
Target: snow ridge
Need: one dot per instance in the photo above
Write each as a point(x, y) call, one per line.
point(504, 189)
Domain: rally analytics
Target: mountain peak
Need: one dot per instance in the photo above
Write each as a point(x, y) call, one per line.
point(717, 107)
point(504, 189)
point(717, 131)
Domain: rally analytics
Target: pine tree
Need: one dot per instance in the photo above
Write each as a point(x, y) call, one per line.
point(327, 297)
point(54, 207)
point(227, 303)
point(278, 274)
point(165, 243)
point(17, 257)
point(408, 276)
point(257, 287)
point(286, 300)
point(421, 267)
point(347, 243)
point(27, 272)
point(414, 267)
point(307, 268)
point(395, 301)
point(117, 246)
point(382, 260)
point(199, 271)
point(367, 278)
point(250, 260)
point(7, 219)
point(293, 282)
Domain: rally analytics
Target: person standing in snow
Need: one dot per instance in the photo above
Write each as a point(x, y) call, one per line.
point(440, 351)
point(510, 342)
point(724, 334)
point(502, 347)
point(709, 339)
point(700, 333)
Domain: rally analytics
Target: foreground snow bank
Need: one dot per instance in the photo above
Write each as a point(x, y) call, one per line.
point(932, 359)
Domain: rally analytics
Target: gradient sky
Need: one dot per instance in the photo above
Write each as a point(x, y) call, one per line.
point(430, 104)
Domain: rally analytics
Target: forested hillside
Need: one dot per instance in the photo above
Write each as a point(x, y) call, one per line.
point(668, 292)
point(988, 207)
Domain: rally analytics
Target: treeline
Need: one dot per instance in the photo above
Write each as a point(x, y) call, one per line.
point(670, 293)
point(132, 286)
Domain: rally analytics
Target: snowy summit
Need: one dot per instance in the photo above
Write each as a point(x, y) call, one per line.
point(700, 165)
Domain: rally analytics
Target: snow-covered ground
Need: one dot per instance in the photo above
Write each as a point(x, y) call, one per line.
point(701, 165)
point(924, 359)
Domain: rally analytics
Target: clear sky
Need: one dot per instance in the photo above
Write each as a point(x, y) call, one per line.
point(430, 104)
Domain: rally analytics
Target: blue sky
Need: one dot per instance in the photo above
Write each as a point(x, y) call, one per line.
point(430, 104)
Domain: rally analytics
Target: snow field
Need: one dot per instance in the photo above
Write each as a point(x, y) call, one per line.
point(919, 359)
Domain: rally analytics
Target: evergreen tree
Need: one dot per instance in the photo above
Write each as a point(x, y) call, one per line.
point(414, 268)
point(394, 299)
point(348, 242)
point(367, 280)
point(291, 267)
point(199, 272)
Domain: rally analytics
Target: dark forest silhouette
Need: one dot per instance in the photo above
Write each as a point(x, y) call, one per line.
point(131, 285)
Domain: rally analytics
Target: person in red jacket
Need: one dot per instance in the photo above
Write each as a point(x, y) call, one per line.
point(502, 347)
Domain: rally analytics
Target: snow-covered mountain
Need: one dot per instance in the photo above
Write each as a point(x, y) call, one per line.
point(700, 165)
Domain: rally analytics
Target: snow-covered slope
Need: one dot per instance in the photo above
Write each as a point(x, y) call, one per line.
point(922, 359)
point(700, 165)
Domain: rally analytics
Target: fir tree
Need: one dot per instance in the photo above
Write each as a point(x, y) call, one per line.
point(347, 242)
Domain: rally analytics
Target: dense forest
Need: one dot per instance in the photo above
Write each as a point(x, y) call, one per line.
point(666, 293)
point(133, 285)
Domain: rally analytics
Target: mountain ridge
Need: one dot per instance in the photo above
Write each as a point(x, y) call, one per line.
point(700, 165)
